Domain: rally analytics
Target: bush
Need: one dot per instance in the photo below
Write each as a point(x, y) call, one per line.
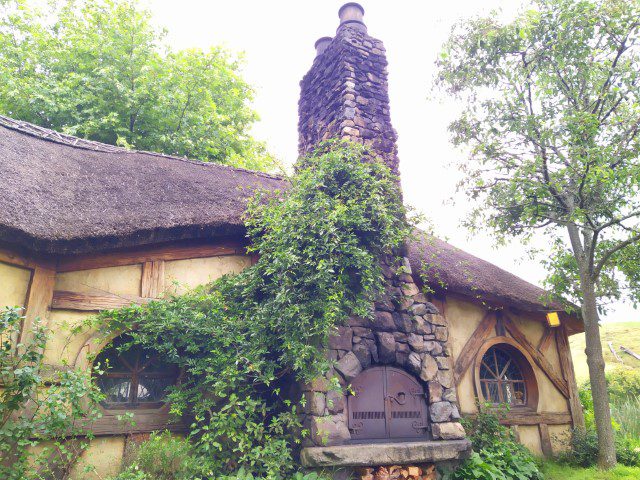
point(168, 457)
point(164, 457)
point(624, 384)
point(497, 455)
point(584, 450)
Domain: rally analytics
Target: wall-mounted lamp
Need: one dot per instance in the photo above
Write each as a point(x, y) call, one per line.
point(553, 320)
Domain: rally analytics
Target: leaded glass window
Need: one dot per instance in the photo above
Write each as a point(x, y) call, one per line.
point(134, 377)
point(501, 378)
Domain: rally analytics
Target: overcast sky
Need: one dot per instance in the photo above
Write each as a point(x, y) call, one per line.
point(277, 39)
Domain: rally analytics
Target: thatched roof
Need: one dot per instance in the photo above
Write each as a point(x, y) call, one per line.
point(61, 194)
point(64, 195)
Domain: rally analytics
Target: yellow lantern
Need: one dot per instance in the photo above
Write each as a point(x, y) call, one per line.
point(553, 319)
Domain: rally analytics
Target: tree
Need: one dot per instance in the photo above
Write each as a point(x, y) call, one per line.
point(551, 121)
point(98, 69)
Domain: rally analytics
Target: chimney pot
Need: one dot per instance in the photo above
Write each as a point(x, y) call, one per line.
point(351, 14)
point(321, 45)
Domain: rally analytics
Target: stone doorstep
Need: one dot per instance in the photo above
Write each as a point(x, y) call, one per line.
point(370, 454)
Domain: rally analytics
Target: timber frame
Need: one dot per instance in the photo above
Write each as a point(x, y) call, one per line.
point(41, 298)
point(492, 330)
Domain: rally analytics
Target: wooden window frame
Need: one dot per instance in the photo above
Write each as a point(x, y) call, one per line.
point(525, 364)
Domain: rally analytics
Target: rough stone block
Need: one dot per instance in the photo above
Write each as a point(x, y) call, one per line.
point(315, 403)
point(416, 342)
point(420, 325)
point(386, 347)
point(435, 392)
point(445, 377)
point(409, 289)
point(444, 363)
point(418, 309)
point(362, 351)
point(440, 411)
point(429, 368)
point(447, 431)
point(414, 362)
point(384, 321)
point(335, 401)
point(442, 333)
point(341, 339)
point(324, 431)
point(436, 318)
point(403, 322)
point(349, 366)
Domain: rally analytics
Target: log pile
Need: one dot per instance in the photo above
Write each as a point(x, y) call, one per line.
point(398, 472)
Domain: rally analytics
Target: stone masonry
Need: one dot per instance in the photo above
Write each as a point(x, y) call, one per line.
point(406, 331)
point(345, 95)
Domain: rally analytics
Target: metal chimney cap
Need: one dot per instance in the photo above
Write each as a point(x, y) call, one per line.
point(321, 44)
point(351, 11)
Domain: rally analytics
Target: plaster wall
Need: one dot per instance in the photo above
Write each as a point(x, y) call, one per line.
point(182, 275)
point(464, 317)
point(103, 457)
point(14, 285)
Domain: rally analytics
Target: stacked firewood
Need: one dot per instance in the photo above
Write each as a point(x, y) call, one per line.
point(398, 472)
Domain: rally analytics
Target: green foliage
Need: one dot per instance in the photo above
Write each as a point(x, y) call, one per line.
point(623, 385)
point(556, 471)
point(242, 339)
point(99, 69)
point(551, 103)
point(497, 455)
point(35, 412)
point(624, 396)
point(163, 457)
point(583, 450)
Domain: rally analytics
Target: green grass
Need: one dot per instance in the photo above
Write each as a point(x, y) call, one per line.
point(623, 333)
point(553, 471)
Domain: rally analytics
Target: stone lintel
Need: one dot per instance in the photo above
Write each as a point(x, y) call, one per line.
point(370, 454)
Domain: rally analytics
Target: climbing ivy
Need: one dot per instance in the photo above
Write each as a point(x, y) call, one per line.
point(242, 339)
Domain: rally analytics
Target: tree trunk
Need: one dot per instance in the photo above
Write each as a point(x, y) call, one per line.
point(595, 361)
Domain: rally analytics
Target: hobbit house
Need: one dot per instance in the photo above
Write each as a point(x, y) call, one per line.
point(86, 227)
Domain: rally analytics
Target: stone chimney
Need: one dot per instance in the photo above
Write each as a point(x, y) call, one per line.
point(345, 93)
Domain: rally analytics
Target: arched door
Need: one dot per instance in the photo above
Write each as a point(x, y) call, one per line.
point(387, 403)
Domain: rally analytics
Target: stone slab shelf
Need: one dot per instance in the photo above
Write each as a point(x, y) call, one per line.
point(365, 455)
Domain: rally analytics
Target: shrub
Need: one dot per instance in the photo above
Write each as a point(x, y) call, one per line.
point(584, 450)
point(164, 457)
point(497, 455)
point(627, 416)
point(623, 384)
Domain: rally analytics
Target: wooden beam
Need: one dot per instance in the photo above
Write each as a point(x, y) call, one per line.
point(545, 440)
point(39, 299)
point(630, 352)
point(545, 341)
point(66, 300)
point(530, 417)
point(13, 258)
point(152, 284)
point(537, 357)
point(566, 364)
point(150, 254)
point(471, 348)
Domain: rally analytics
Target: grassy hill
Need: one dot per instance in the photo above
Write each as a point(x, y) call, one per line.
point(623, 333)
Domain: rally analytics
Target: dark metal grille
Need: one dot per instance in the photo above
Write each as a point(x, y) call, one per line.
point(367, 415)
point(501, 379)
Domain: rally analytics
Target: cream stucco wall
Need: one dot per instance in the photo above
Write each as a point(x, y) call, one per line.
point(181, 275)
point(105, 453)
point(14, 285)
point(118, 280)
point(464, 317)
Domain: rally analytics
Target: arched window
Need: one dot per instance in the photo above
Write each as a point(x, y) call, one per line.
point(133, 377)
point(501, 377)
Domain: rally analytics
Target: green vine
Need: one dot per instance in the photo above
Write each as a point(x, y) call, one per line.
point(243, 339)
